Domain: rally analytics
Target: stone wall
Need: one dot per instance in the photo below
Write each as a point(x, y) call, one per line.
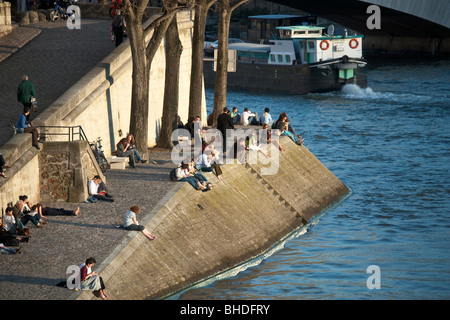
point(201, 235)
point(5, 18)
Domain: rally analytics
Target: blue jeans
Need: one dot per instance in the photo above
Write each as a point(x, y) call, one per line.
point(192, 181)
point(34, 219)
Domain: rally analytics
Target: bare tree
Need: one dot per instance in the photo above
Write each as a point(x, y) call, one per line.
point(198, 40)
point(226, 8)
point(142, 55)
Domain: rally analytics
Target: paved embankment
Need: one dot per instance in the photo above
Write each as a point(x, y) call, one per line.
point(66, 241)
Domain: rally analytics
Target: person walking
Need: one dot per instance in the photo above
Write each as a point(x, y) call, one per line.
point(117, 27)
point(26, 92)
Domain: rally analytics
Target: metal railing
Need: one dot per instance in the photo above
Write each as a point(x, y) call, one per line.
point(66, 131)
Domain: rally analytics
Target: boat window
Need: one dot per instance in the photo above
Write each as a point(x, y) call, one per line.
point(288, 58)
point(311, 44)
point(280, 58)
point(272, 58)
point(313, 31)
point(299, 32)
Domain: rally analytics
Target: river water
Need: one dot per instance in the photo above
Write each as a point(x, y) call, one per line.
point(390, 144)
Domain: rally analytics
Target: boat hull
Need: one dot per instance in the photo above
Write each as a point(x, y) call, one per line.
point(286, 79)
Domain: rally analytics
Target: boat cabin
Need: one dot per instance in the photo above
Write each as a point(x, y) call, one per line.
point(310, 44)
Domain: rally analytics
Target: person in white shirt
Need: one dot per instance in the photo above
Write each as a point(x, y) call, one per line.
point(249, 118)
point(97, 189)
point(132, 224)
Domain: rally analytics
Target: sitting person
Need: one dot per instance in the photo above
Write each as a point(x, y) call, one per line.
point(90, 280)
point(34, 217)
point(249, 118)
point(2, 166)
point(98, 190)
point(182, 174)
point(207, 163)
point(266, 118)
point(235, 115)
point(23, 127)
point(283, 126)
point(252, 144)
point(137, 155)
point(132, 224)
point(124, 151)
point(200, 176)
point(11, 226)
point(18, 213)
point(269, 137)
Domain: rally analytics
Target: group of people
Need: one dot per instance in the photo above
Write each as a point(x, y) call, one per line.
point(267, 122)
point(18, 216)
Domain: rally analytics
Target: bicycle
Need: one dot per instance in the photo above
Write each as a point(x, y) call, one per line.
point(96, 147)
point(117, 4)
point(59, 12)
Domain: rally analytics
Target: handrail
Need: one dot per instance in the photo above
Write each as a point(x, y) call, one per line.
point(70, 133)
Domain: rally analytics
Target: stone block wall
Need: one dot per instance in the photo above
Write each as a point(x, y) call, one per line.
point(204, 234)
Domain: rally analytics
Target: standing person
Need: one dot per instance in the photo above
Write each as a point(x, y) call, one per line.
point(25, 92)
point(23, 127)
point(224, 123)
point(117, 27)
point(90, 280)
point(132, 224)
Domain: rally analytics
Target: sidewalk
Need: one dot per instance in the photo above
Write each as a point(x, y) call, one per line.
point(54, 58)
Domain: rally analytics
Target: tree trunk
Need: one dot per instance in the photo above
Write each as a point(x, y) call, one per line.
point(220, 86)
point(140, 88)
point(198, 40)
point(173, 50)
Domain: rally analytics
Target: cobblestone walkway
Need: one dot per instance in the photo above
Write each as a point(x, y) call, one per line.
point(54, 58)
point(65, 241)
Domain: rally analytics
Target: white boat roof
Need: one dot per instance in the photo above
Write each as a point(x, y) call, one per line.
point(300, 28)
point(274, 16)
point(254, 47)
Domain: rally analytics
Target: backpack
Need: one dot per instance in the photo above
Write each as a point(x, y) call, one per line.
point(173, 175)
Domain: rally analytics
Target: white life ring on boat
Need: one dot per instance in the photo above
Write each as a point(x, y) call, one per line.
point(353, 43)
point(324, 45)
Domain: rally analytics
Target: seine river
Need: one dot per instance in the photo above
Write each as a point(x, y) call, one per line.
point(390, 144)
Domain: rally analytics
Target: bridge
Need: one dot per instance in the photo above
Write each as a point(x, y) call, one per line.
point(418, 26)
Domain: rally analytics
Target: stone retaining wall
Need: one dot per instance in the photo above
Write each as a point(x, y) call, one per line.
point(203, 234)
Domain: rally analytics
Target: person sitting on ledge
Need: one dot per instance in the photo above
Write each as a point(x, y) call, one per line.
point(249, 118)
point(90, 280)
point(182, 174)
point(98, 190)
point(137, 155)
point(24, 127)
point(132, 224)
